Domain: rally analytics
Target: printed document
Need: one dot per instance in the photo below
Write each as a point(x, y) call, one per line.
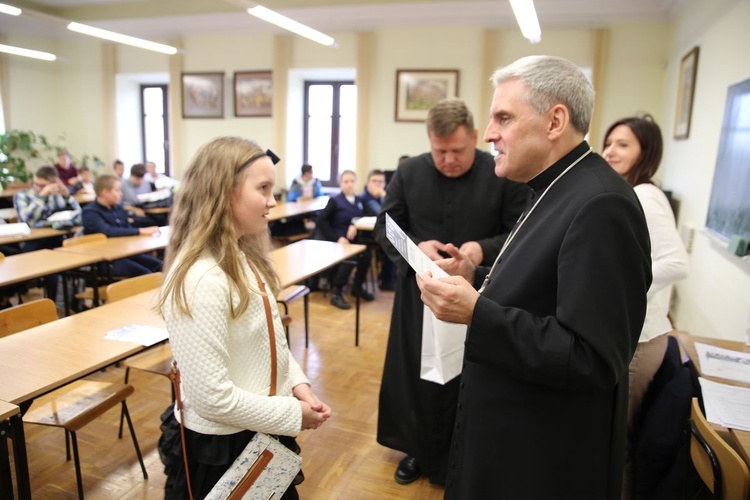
point(726, 405)
point(723, 363)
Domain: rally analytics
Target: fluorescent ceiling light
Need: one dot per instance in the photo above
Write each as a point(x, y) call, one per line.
point(117, 37)
point(289, 24)
point(9, 9)
point(9, 49)
point(527, 20)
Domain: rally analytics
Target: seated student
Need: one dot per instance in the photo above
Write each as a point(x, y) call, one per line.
point(66, 171)
point(85, 183)
point(335, 224)
point(157, 179)
point(374, 192)
point(305, 186)
point(46, 196)
point(372, 197)
point(106, 216)
point(131, 188)
point(119, 168)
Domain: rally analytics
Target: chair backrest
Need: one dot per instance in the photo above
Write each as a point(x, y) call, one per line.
point(27, 315)
point(88, 238)
point(131, 286)
point(718, 465)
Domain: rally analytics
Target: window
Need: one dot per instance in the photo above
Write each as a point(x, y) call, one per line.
point(155, 127)
point(330, 127)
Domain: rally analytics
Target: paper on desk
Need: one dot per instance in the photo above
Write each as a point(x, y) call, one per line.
point(723, 363)
point(726, 405)
point(140, 334)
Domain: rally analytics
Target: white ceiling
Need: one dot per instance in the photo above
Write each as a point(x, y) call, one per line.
point(47, 18)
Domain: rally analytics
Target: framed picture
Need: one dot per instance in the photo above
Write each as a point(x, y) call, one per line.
point(253, 93)
point(417, 90)
point(203, 95)
point(685, 91)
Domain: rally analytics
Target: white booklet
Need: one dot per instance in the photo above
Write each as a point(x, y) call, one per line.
point(139, 334)
point(442, 342)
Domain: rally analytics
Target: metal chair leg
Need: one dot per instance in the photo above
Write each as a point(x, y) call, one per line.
point(135, 440)
point(77, 463)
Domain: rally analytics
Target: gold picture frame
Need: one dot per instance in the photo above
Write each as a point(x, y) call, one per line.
point(685, 93)
point(253, 93)
point(417, 90)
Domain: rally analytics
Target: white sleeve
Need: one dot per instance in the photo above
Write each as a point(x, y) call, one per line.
point(669, 260)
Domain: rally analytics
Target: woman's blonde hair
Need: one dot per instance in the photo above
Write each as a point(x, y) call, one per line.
point(202, 220)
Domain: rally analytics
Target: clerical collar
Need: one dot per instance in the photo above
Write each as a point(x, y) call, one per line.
point(545, 178)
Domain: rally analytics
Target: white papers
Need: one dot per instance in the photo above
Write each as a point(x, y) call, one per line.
point(417, 259)
point(723, 363)
point(153, 196)
point(63, 216)
point(726, 405)
point(365, 223)
point(16, 229)
point(139, 334)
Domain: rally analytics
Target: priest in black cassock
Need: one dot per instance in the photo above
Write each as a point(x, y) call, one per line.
point(449, 195)
point(554, 323)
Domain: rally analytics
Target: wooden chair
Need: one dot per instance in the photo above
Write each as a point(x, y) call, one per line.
point(78, 403)
point(719, 466)
point(158, 359)
point(287, 296)
point(88, 293)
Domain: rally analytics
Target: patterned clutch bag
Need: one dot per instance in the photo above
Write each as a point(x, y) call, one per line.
point(264, 470)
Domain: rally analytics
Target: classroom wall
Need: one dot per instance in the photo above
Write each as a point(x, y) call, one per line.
point(715, 298)
point(639, 74)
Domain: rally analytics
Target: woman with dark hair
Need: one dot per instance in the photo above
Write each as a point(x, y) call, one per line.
point(633, 147)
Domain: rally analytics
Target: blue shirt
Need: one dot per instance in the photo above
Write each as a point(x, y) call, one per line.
point(110, 221)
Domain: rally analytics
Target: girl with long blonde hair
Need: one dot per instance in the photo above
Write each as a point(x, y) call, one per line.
point(213, 307)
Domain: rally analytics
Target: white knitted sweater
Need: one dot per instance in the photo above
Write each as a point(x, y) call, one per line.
point(225, 364)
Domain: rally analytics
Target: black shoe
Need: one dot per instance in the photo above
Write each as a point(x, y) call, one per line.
point(364, 295)
point(407, 471)
point(340, 302)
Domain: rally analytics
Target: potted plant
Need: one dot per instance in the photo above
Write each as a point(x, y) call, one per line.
point(20, 152)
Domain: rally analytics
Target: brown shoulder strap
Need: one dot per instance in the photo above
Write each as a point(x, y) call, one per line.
point(271, 332)
point(174, 375)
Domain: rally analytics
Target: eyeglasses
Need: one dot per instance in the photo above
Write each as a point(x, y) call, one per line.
point(40, 185)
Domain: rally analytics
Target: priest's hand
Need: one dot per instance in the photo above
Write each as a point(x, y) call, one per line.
point(459, 264)
point(474, 251)
point(431, 248)
point(450, 299)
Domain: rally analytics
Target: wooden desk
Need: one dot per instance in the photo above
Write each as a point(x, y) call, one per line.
point(121, 247)
point(305, 258)
point(299, 207)
point(44, 358)
point(741, 438)
point(39, 263)
point(36, 233)
point(9, 214)
point(11, 425)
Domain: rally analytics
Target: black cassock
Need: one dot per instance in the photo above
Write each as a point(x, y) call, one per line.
point(416, 416)
point(543, 400)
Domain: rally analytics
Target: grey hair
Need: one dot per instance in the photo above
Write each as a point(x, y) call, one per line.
point(552, 80)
